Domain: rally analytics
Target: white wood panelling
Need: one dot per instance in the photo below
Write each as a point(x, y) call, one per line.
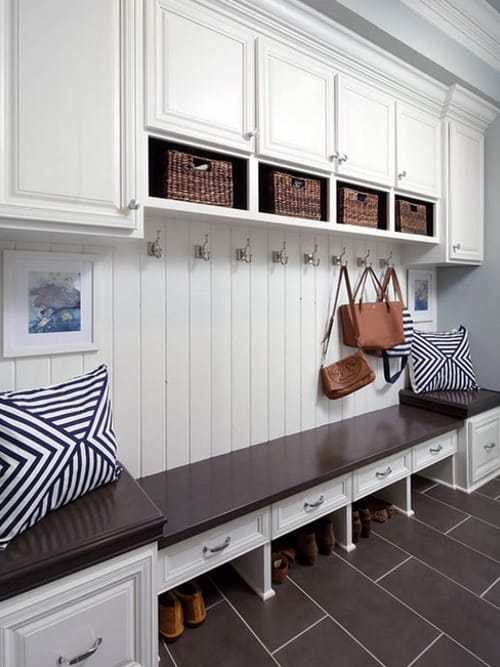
point(211, 356)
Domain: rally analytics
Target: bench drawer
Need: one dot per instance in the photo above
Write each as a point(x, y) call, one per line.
point(304, 507)
point(190, 558)
point(484, 449)
point(431, 451)
point(374, 476)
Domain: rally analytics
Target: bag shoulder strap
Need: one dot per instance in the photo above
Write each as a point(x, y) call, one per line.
point(389, 276)
point(359, 289)
point(343, 275)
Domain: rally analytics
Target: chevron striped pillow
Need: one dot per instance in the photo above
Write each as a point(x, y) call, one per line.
point(56, 444)
point(441, 360)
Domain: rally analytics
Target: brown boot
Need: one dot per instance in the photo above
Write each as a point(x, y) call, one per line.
point(356, 525)
point(192, 603)
point(280, 564)
point(325, 538)
point(306, 549)
point(171, 618)
point(366, 520)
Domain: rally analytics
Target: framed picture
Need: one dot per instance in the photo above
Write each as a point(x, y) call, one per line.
point(421, 295)
point(48, 303)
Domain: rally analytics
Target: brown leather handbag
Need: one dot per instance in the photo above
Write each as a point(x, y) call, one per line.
point(372, 325)
point(351, 373)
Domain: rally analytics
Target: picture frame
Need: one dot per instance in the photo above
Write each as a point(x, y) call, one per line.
point(48, 303)
point(421, 296)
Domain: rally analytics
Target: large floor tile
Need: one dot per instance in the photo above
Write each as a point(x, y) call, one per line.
point(446, 652)
point(388, 629)
point(434, 513)
point(462, 615)
point(164, 659)
point(449, 557)
point(478, 505)
point(479, 535)
point(276, 620)
point(222, 640)
point(490, 489)
point(324, 645)
point(373, 556)
point(493, 595)
point(421, 484)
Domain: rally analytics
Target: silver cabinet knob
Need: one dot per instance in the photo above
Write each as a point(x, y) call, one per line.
point(342, 158)
point(251, 133)
point(402, 174)
point(335, 156)
point(134, 204)
point(456, 246)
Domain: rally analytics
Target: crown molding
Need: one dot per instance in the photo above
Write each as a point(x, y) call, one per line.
point(474, 25)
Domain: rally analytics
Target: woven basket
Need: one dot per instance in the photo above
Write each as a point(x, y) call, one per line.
point(197, 179)
point(357, 208)
point(411, 217)
point(291, 195)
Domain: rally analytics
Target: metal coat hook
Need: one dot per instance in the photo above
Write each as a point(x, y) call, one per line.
point(244, 254)
point(338, 259)
point(312, 257)
point(202, 251)
point(280, 256)
point(363, 261)
point(387, 261)
point(154, 247)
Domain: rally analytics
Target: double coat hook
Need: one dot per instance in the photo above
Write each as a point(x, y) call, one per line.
point(244, 254)
point(280, 256)
point(312, 257)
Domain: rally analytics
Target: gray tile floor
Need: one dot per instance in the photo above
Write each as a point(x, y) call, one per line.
point(423, 591)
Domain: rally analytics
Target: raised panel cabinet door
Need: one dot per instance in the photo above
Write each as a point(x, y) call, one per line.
point(295, 106)
point(200, 75)
point(365, 132)
point(466, 193)
point(417, 150)
point(69, 112)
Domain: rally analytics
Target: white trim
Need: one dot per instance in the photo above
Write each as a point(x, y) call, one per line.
point(474, 25)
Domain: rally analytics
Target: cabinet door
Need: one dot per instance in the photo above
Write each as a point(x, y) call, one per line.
point(484, 445)
point(69, 94)
point(417, 151)
point(200, 75)
point(295, 106)
point(365, 132)
point(465, 193)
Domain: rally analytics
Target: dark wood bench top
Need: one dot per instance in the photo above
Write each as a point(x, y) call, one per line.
point(202, 495)
point(104, 523)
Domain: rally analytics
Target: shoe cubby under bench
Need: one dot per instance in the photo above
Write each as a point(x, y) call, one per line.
point(229, 508)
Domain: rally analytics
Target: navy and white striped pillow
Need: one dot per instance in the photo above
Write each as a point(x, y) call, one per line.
point(441, 360)
point(56, 444)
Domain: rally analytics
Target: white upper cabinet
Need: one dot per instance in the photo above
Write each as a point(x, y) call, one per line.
point(417, 151)
point(200, 74)
point(465, 193)
point(295, 106)
point(365, 132)
point(69, 77)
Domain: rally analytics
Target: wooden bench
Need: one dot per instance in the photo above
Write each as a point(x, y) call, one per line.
point(230, 507)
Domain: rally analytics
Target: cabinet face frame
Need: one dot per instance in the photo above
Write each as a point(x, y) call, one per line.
point(37, 184)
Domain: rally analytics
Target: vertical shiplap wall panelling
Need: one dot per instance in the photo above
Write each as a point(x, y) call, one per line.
point(221, 266)
point(278, 326)
point(240, 342)
point(339, 351)
point(200, 386)
point(7, 366)
point(323, 279)
point(309, 374)
point(262, 319)
point(153, 340)
point(127, 380)
point(178, 344)
point(292, 333)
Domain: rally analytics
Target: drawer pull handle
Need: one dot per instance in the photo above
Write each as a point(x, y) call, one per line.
point(84, 656)
point(317, 503)
point(207, 551)
point(436, 450)
point(490, 446)
point(381, 475)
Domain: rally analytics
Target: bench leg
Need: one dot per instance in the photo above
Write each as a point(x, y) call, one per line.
point(399, 494)
point(255, 568)
point(342, 527)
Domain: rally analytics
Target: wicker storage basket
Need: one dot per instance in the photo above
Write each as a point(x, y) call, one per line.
point(197, 179)
point(291, 195)
point(411, 217)
point(357, 208)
